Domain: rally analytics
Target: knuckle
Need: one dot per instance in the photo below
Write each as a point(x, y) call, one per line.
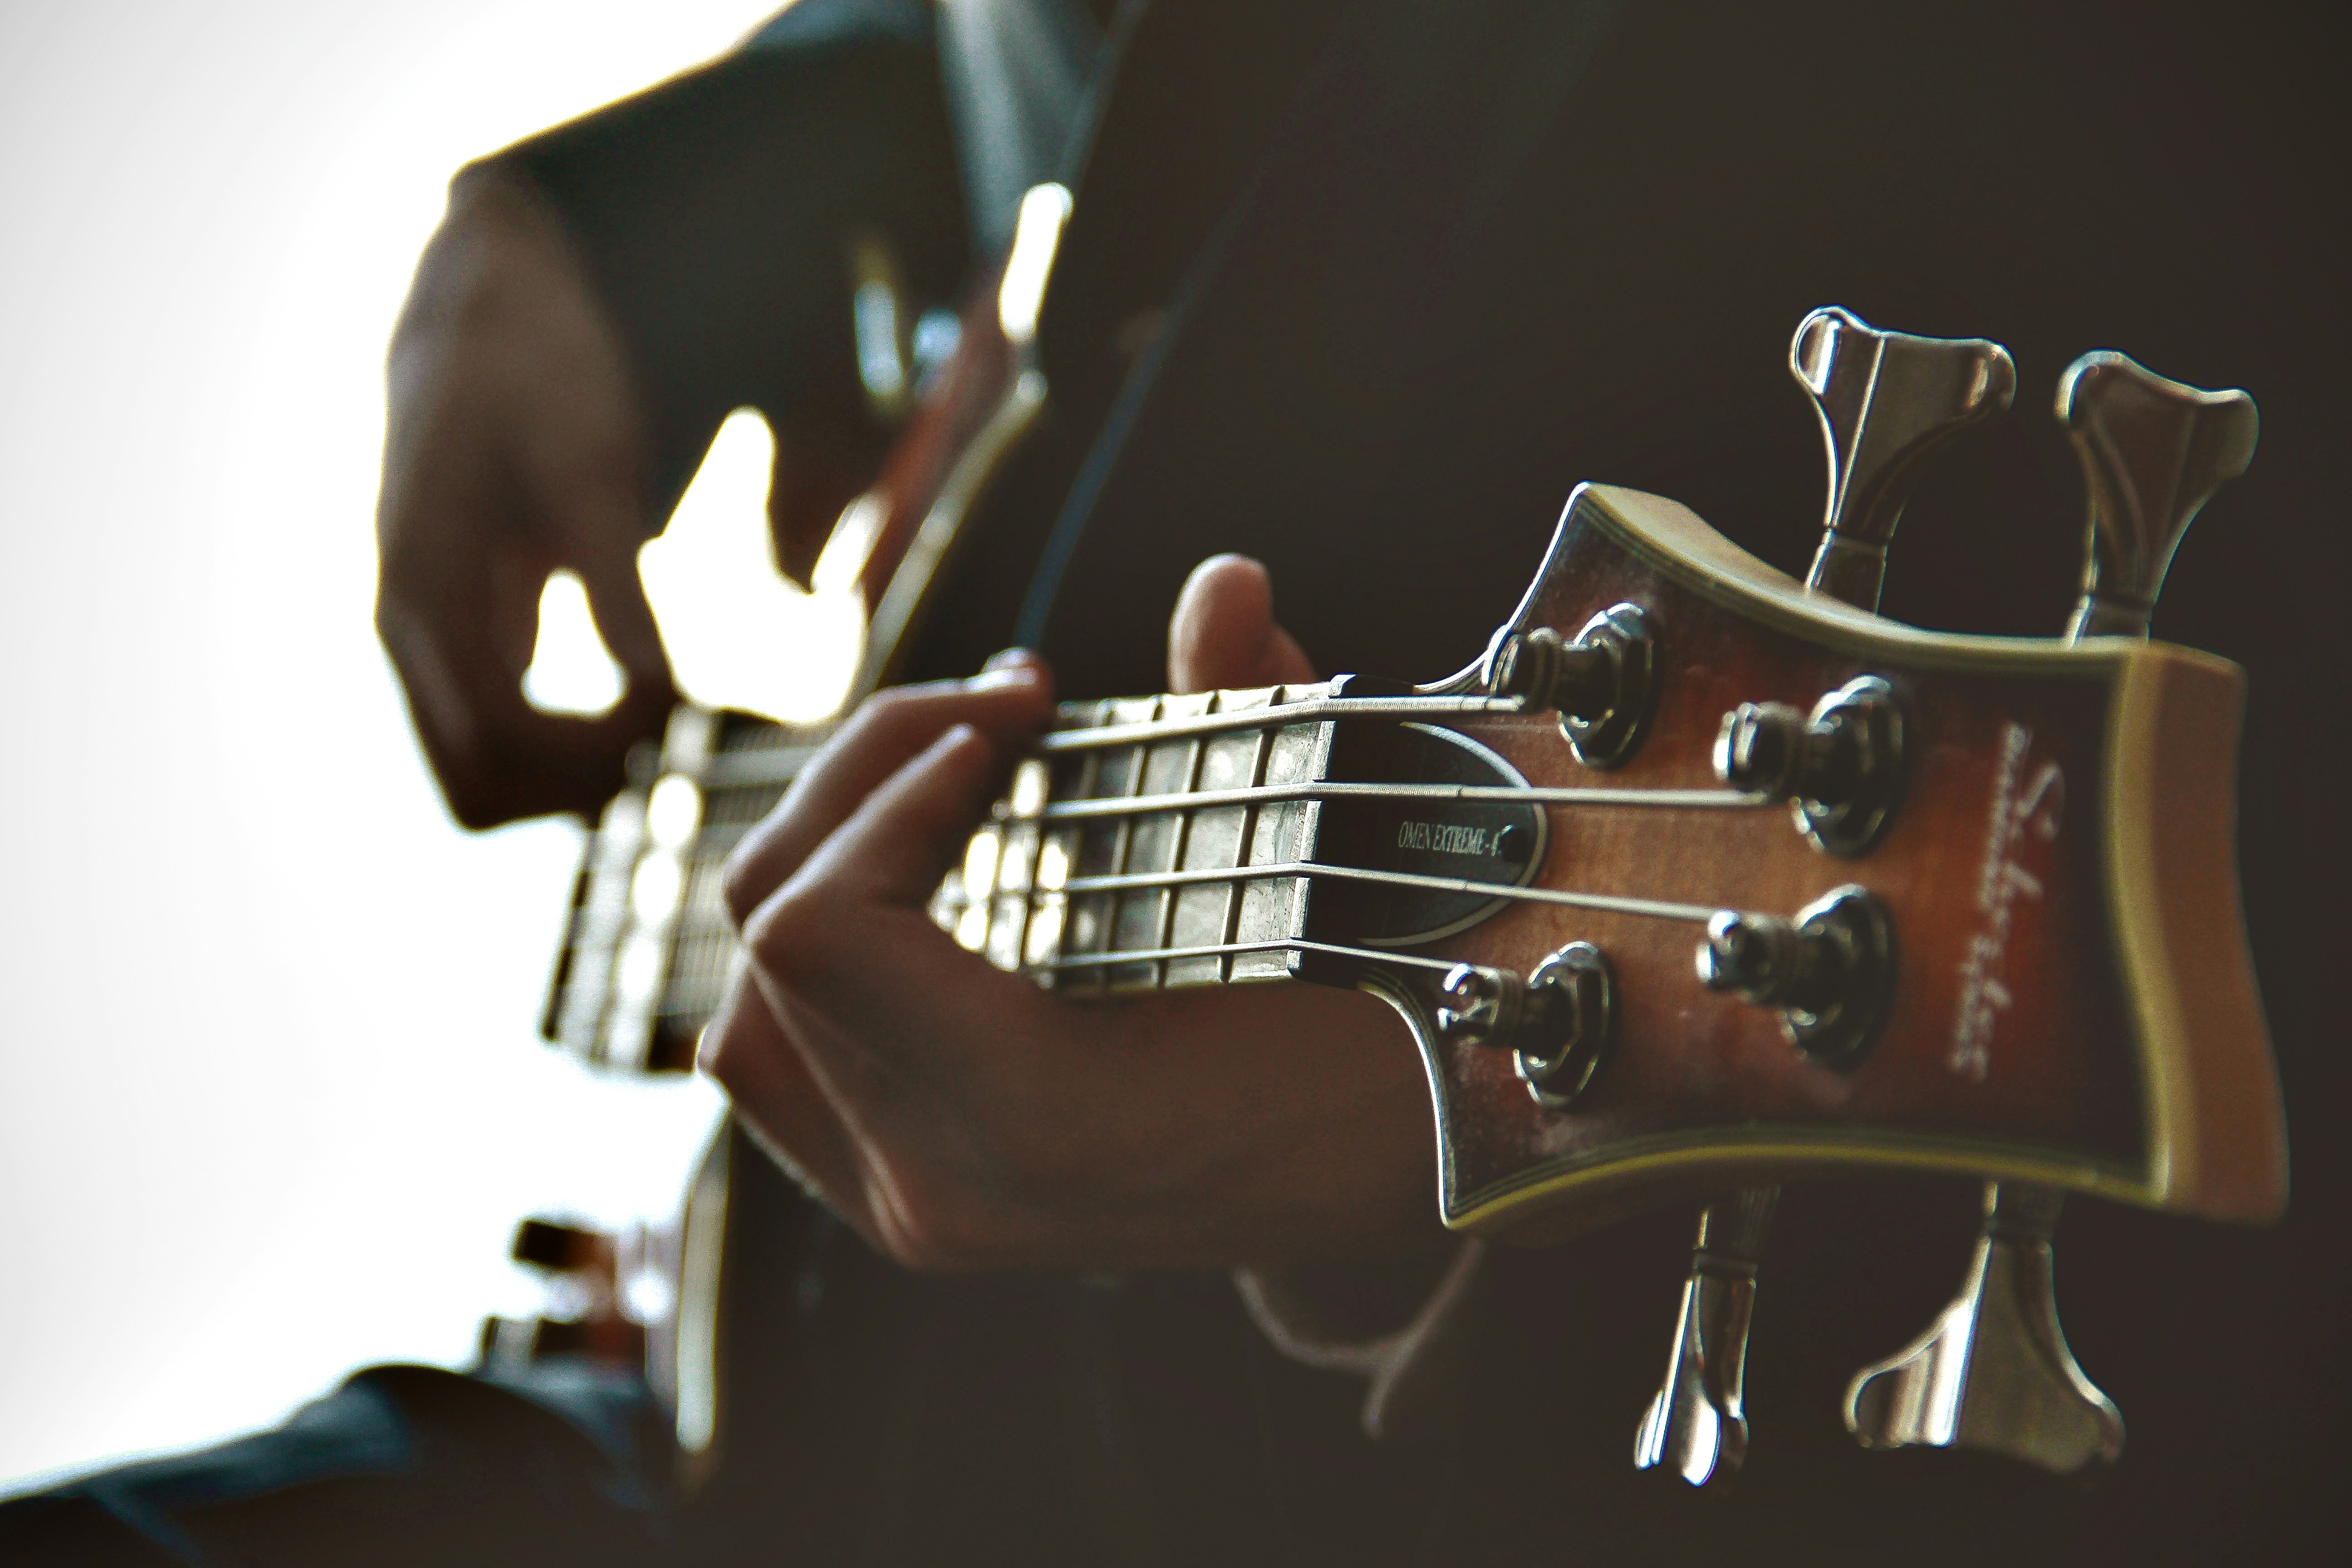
point(938, 1228)
point(743, 883)
point(785, 932)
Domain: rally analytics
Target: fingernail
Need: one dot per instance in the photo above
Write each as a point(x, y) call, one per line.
point(998, 679)
point(1008, 659)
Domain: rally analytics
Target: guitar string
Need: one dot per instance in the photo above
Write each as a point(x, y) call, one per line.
point(732, 771)
point(1280, 715)
point(1228, 948)
point(1201, 799)
point(1145, 881)
point(778, 764)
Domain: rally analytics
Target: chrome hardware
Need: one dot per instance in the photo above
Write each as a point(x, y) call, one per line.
point(1994, 1373)
point(1480, 1006)
point(2153, 451)
point(1697, 1427)
point(1843, 765)
point(1830, 972)
point(1556, 1023)
point(1566, 1018)
point(1885, 401)
point(1602, 684)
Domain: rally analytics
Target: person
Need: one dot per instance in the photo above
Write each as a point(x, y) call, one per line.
point(1360, 290)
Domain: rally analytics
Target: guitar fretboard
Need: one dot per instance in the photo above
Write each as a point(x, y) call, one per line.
point(1130, 898)
point(649, 949)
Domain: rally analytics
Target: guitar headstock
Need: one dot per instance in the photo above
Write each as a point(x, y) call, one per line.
point(1868, 895)
point(1968, 904)
point(1864, 894)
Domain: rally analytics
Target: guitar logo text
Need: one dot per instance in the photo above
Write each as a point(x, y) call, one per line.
point(2018, 803)
point(1440, 838)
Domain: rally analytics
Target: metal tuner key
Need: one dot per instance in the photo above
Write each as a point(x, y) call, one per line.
point(1994, 1371)
point(1886, 400)
point(1697, 1428)
point(2153, 452)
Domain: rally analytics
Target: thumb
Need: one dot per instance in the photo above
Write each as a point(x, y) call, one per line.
point(1222, 633)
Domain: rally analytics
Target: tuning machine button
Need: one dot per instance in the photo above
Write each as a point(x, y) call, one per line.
point(1843, 765)
point(1602, 682)
point(1885, 401)
point(1697, 1427)
point(1556, 1023)
point(1993, 1372)
point(1830, 972)
point(2153, 451)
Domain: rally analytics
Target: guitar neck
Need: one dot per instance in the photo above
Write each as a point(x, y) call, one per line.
point(1147, 843)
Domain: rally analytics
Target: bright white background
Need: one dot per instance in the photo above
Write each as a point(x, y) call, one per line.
point(270, 1096)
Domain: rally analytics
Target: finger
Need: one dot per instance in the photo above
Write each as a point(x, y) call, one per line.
point(783, 1104)
point(457, 612)
point(1012, 701)
point(1222, 633)
point(496, 758)
point(898, 844)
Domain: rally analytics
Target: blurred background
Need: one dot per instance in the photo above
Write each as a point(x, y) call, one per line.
point(272, 1097)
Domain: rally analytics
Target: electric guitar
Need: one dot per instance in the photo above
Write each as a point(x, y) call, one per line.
point(1700, 878)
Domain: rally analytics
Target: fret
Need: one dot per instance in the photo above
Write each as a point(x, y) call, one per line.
point(1280, 833)
point(1121, 772)
point(1216, 838)
point(1085, 922)
point(1154, 842)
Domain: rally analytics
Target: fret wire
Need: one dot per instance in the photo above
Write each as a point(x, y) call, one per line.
point(1279, 716)
point(1125, 843)
point(1514, 795)
point(1234, 949)
point(1261, 751)
point(1090, 766)
point(1615, 903)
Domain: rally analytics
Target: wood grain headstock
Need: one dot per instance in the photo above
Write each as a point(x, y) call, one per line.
point(2069, 999)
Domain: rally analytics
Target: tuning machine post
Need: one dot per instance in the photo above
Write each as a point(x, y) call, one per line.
point(1830, 972)
point(1842, 767)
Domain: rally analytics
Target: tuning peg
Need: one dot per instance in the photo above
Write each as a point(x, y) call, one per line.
point(2153, 452)
point(1697, 1427)
point(1993, 1372)
point(1885, 401)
